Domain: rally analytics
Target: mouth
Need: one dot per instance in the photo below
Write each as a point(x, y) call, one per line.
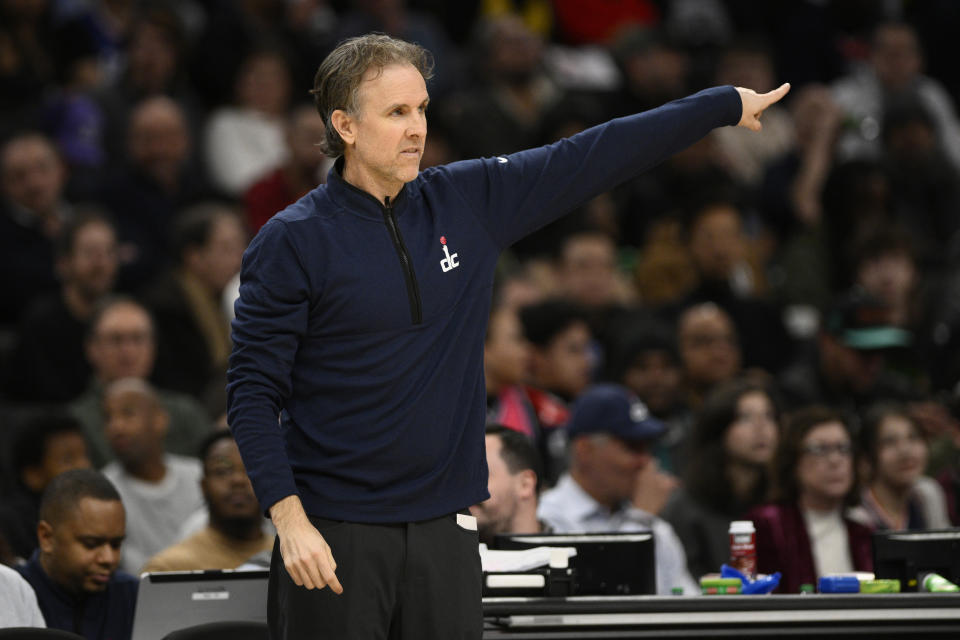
point(100, 578)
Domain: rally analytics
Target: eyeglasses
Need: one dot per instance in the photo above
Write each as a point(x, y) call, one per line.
point(824, 450)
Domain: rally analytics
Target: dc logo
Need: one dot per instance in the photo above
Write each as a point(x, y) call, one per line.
point(450, 262)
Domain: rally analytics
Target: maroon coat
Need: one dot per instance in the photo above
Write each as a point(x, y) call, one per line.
point(783, 545)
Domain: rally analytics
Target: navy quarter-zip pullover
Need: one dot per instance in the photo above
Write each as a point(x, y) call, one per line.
point(361, 324)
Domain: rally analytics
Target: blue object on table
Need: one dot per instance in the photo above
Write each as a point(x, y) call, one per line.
point(763, 584)
point(839, 584)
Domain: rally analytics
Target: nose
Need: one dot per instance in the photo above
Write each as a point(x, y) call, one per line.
point(418, 126)
point(108, 556)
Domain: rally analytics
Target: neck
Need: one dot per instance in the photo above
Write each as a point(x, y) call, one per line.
point(583, 480)
point(525, 519)
point(743, 479)
point(46, 564)
point(894, 501)
point(237, 528)
point(153, 469)
point(365, 182)
point(79, 305)
point(823, 504)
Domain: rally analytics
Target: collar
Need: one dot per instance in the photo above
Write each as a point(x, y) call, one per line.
point(357, 201)
point(581, 506)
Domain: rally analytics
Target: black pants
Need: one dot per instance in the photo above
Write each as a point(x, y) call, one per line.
point(411, 581)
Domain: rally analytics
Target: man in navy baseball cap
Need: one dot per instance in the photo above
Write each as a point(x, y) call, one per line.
point(611, 433)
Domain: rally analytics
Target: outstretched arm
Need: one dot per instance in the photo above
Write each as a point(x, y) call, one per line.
point(755, 103)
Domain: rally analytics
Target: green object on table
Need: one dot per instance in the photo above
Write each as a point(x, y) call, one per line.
point(880, 586)
point(720, 586)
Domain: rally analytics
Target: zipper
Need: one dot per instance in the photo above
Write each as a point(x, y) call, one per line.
point(413, 292)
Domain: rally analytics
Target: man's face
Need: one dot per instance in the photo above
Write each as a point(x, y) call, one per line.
point(589, 270)
point(159, 140)
point(506, 353)
point(495, 515)
point(121, 345)
point(389, 131)
point(708, 346)
point(133, 424)
point(62, 451)
point(716, 242)
point(33, 176)
point(613, 466)
point(216, 262)
point(81, 552)
point(564, 365)
point(849, 369)
point(225, 484)
point(92, 264)
point(655, 377)
point(896, 57)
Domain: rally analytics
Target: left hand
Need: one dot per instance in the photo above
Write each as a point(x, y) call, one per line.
point(754, 104)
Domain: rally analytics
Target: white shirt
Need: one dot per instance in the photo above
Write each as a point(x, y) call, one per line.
point(19, 608)
point(829, 541)
point(569, 509)
point(242, 146)
point(156, 511)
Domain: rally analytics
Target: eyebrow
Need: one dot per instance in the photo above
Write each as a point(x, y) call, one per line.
point(395, 105)
point(96, 540)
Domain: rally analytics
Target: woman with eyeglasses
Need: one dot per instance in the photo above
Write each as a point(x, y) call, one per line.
point(730, 449)
point(807, 532)
point(897, 495)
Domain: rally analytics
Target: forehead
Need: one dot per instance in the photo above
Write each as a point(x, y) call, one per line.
point(827, 431)
point(393, 84)
point(700, 321)
point(26, 150)
point(123, 316)
point(126, 399)
point(223, 448)
point(95, 518)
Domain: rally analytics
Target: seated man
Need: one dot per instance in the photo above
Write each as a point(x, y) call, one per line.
point(159, 489)
point(234, 532)
point(45, 445)
point(74, 572)
point(610, 433)
point(513, 483)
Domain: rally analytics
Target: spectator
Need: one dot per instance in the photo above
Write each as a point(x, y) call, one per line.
point(805, 534)
point(514, 486)
point(655, 70)
point(193, 332)
point(234, 531)
point(512, 403)
point(20, 607)
point(709, 350)
point(730, 448)
point(896, 494)
point(610, 432)
point(48, 363)
point(847, 370)
point(121, 344)
point(246, 141)
point(306, 167)
point(46, 445)
point(159, 489)
point(588, 271)
point(561, 354)
point(646, 361)
point(74, 573)
point(894, 70)
point(146, 193)
point(32, 179)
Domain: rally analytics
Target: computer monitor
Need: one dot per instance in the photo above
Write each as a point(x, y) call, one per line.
point(905, 555)
point(605, 564)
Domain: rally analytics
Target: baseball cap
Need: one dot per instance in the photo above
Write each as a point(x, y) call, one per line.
point(860, 321)
point(613, 409)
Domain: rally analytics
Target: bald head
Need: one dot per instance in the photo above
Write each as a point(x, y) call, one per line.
point(158, 139)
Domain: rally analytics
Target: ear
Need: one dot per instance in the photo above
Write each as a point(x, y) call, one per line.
point(161, 419)
point(345, 125)
point(526, 484)
point(45, 536)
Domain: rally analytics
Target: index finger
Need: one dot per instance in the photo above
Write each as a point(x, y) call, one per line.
point(776, 95)
point(327, 573)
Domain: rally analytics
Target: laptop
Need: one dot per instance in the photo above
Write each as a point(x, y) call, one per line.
point(168, 601)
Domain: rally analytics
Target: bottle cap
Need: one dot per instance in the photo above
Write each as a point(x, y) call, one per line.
point(806, 587)
point(677, 591)
point(742, 526)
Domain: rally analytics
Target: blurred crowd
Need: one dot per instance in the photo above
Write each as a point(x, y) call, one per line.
point(750, 290)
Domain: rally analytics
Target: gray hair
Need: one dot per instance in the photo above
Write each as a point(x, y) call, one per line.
point(338, 78)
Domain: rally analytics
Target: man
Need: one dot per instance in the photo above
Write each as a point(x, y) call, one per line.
point(45, 445)
point(610, 434)
point(159, 489)
point(234, 532)
point(513, 484)
point(562, 356)
point(48, 364)
point(360, 324)
point(74, 573)
point(709, 350)
point(193, 332)
point(32, 180)
point(121, 344)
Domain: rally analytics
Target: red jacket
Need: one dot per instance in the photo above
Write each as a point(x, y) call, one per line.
point(783, 545)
